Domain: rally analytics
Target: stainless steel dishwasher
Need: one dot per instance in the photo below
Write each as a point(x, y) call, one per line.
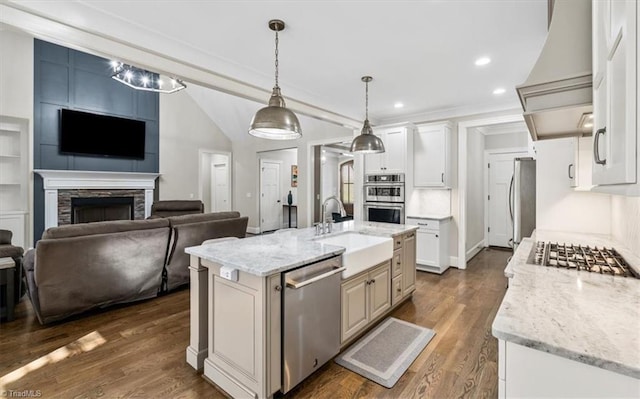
point(310, 319)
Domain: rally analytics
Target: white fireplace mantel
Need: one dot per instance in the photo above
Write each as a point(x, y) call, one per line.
point(54, 180)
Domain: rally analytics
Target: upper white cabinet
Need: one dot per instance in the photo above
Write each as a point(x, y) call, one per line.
point(432, 155)
point(393, 160)
point(615, 94)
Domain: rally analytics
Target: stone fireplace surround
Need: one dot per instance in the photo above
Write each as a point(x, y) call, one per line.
point(57, 183)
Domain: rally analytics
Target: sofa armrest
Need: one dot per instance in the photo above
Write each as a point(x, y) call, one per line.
point(29, 260)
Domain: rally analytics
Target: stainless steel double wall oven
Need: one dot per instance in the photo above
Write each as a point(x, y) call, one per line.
point(384, 198)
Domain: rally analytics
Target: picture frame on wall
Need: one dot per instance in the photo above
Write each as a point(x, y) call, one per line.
point(294, 175)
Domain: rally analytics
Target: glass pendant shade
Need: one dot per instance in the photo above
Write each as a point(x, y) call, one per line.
point(275, 122)
point(367, 142)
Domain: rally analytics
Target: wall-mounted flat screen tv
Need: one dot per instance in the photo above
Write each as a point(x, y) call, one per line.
point(84, 133)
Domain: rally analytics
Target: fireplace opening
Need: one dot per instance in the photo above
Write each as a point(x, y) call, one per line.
point(100, 209)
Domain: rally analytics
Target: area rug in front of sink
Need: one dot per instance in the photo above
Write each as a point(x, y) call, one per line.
point(387, 351)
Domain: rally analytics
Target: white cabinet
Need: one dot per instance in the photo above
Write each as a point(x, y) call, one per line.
point(365, 298)
point(432, 252)
point(529, 373)
point(615, 94)
point(432, 155)
point(393, 160)
point(14, 178)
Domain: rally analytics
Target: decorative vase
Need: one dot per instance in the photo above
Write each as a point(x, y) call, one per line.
point(289, 198)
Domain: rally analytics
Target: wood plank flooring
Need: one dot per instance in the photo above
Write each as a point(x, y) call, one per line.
point(138, 350)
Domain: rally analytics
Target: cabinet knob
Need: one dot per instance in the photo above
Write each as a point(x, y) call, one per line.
point(373, 280)
point(437, 236)
point(399, 289)
point(278, 288)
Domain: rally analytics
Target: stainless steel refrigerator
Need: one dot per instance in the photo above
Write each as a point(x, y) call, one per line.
point(522, 195)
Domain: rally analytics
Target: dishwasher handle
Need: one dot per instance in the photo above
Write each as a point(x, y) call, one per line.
point(299, 284)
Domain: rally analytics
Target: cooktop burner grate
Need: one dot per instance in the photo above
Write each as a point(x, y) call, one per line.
point(592, 259)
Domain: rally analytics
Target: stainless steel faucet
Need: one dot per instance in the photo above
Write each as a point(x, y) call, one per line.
point(325, 226)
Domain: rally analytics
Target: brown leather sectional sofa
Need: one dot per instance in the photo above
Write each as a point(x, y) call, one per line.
point(83, 266)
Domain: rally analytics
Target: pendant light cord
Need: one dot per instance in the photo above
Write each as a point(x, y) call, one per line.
point(277, 58)
point(366, 101)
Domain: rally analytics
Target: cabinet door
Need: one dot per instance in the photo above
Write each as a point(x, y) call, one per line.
point(396, 290)
point(354, 306)
point(375, 163)
point(428, 248)
point(409, 264)
point(274, 335)
point(395, 143)
point(429, 157)
point(380, 290)
point(615, 133)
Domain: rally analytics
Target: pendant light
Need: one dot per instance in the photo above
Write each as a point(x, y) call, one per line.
point(367, 142)
point(275, 122)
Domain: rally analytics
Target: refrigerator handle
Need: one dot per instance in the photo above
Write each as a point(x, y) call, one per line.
point(511, 198)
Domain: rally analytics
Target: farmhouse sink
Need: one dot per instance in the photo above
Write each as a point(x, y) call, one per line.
point(362, 251)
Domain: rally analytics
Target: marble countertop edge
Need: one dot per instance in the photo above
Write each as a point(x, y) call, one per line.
point(605, 364)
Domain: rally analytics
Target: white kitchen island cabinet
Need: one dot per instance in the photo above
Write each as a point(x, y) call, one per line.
point(238, 309)
point(615, 96)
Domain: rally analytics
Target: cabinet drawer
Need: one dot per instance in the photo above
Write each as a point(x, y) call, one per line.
point(428, 224)
point(397, 242)
point(396, 290)
point(396, 263)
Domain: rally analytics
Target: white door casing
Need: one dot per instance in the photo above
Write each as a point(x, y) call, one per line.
point(220, 187)
point(270, 202)
point(499, 226)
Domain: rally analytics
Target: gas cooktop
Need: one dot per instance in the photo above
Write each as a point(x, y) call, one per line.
point(591, 259)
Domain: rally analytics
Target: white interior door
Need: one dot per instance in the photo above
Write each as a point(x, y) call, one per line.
point(220, 195)
point(500, 227)
point(270, 202)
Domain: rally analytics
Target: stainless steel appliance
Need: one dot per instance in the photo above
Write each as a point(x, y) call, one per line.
point(311, 319)
point(592, 259)
point(384, 198)
point(522, 199)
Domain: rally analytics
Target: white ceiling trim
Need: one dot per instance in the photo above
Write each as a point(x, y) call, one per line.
point(54, 31)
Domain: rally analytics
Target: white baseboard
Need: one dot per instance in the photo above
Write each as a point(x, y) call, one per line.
point(453, 261)
point(253, 230)
point(475, 249)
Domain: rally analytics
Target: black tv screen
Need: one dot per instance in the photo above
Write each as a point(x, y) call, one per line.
point(84, 133)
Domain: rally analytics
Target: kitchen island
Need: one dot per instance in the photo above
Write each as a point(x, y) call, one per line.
point(237, 297)
point(568, 333)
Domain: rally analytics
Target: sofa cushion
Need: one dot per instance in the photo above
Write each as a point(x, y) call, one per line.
point(117, 226)
point(10, 251)
point(176, 207)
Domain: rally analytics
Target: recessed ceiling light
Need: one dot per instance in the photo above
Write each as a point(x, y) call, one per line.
point(499, 91)
point(482, 61)
point(398, 105)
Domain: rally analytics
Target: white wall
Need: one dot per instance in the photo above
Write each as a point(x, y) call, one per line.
point(184, 130)
point(625, 221)
point(509, 140)
point(558, 206)
point(475, 188)
point(16, 98)
point(245, 171)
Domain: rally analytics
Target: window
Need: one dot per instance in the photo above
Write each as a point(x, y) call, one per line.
point(346, 186)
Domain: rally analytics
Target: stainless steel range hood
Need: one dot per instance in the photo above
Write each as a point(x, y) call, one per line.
point(558, 91)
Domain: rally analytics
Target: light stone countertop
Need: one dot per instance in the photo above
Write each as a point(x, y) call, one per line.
point(268, 254)
point(586, 317)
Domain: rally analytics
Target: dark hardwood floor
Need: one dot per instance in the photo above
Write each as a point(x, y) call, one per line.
point(138, 350)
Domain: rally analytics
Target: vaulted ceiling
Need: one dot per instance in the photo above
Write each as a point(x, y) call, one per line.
point(420, 53)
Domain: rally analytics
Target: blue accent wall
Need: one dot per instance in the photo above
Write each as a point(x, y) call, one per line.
point(66, 78)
